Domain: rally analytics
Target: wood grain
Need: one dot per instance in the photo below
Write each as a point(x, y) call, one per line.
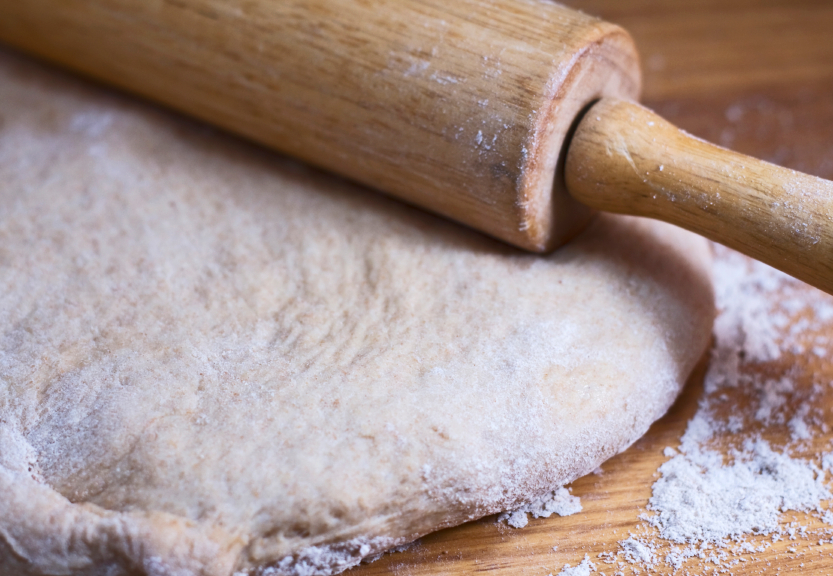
point(704, 48)
point(458, 107)
point(762, 85)
point(624, 158)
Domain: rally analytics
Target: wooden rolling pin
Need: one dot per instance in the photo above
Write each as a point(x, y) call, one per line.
point(515, 117)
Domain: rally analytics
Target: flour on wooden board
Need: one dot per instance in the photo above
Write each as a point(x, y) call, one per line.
point(559, 501)
point(708, 504)
point(717, 506)
point(584, 569)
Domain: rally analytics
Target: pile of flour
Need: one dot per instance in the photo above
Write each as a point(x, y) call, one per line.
point(723, 493)
point(559, 502)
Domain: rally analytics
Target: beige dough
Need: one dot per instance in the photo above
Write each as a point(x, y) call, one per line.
point(214, 359)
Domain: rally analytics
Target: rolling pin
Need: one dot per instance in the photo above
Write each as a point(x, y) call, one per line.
point(515, 117)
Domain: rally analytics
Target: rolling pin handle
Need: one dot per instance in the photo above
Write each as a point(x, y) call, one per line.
point(624, 158)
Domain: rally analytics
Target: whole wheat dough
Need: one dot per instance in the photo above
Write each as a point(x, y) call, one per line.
point(213, 359)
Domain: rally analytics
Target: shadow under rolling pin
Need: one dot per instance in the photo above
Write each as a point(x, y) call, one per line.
point(470, 109)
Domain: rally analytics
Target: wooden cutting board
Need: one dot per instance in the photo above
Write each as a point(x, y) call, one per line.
point(753, 75)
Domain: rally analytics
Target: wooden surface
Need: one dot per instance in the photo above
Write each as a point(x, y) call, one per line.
point(753, 75)
point(458, 107)
point(623, 158)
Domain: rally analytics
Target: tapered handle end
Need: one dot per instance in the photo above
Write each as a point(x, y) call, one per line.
point(624, 158)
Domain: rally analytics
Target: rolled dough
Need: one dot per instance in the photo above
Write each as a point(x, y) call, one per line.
point(216, 360)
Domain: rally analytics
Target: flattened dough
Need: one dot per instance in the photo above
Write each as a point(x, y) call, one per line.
point(213, 359)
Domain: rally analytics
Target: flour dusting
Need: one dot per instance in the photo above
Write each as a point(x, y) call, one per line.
point(724, 492)
point(584, 569)
point(700, 499)
point(559, 502)
point(636, 551)
point(326, 560)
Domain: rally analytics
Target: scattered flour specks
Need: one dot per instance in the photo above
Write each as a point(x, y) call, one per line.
point(584, 569)
point(726, 484)
point(699, 498)
point(559, 501)
point(636, 551)
point(725, 493)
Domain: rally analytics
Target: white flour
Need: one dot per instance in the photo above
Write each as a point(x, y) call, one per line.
point(726, 486)
point(723, 493)
point(636, 551)
point(559, 501)
point(701, 499)
point(584, 569)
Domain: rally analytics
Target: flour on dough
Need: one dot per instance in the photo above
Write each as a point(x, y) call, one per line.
point(215, 360)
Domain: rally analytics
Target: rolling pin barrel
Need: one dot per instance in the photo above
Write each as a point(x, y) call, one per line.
point(463, 108)
point(458, 107)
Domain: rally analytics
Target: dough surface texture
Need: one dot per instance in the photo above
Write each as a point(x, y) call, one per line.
point(214, 360)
